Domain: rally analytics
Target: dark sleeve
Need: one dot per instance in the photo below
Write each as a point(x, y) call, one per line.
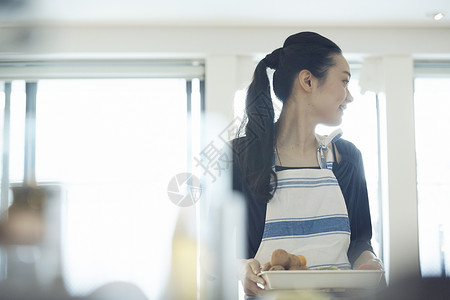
point(350, 175)
point(255, 209)
point(237, 178)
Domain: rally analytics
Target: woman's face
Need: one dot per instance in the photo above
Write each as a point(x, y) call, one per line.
point(332, 94)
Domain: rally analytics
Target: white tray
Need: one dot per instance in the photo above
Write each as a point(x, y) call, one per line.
point(313, 279)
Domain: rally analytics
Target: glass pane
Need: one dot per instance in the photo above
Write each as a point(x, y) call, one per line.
point(115, 144)
point(3, 204)
point(2, 121)
point(17, 135)
point(431, 105)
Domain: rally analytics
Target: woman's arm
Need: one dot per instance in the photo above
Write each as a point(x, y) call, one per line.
point(350, 175)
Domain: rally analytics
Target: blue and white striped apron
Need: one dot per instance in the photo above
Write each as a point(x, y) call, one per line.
point(307, 214)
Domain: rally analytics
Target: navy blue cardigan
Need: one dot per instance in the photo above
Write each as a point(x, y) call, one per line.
point(350, 174)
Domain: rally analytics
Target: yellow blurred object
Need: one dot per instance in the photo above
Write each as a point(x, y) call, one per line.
point(184, 268)
point(302, 259)
point(299, 295)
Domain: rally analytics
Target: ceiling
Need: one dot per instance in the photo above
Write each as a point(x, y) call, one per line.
point(249, 13)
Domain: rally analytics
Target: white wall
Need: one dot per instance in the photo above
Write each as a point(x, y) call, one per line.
point(402, 209)
point(86, 41)
point(199, 41)
point(228, 52)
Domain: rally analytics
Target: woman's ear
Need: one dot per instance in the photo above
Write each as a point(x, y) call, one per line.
point(305, 78)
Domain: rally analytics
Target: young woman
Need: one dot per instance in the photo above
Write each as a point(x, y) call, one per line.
point(304, 193)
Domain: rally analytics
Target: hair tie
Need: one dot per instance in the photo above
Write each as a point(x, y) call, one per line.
point(272, 59)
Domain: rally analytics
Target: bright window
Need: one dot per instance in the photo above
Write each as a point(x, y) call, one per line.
point(113, 145)
point(432, 105)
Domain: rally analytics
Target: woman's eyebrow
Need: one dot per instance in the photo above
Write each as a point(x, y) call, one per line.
point(348, 73)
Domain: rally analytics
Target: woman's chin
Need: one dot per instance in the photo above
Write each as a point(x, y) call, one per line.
point(333, 123)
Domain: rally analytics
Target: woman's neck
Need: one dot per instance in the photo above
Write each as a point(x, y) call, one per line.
point(296, 129)
point(296, 143)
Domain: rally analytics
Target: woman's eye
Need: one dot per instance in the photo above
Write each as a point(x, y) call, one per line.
point(346, 82)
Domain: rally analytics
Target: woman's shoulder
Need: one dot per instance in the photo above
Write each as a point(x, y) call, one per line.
point(346, 145)
point(347, 149)
point(349, 159)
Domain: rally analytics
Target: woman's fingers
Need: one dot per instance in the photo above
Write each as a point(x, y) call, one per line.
point(251, 288)
point(255, 269)
point(252, 279)
point(372, 264)
point(367, 267)
point(254, 266)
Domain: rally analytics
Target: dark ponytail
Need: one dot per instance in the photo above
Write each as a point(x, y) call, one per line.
point(256, 150)
point(305, 50)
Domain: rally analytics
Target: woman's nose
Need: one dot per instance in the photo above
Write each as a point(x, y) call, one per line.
point(349, 97)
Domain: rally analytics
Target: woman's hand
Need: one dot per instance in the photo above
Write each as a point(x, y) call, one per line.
point(368, 261)
point(248, 274)
point(373, 264)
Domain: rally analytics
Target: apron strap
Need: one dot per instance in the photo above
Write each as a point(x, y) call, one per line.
point(324, 141)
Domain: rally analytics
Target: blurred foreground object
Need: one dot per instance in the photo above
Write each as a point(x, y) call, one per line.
point(10, 9)
point(117, 291)
point(223, 215)
point(183, 268)
point(13, 12)
point(25, 220)
point(298, 295)
point(416, 288)
point(31, 238)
